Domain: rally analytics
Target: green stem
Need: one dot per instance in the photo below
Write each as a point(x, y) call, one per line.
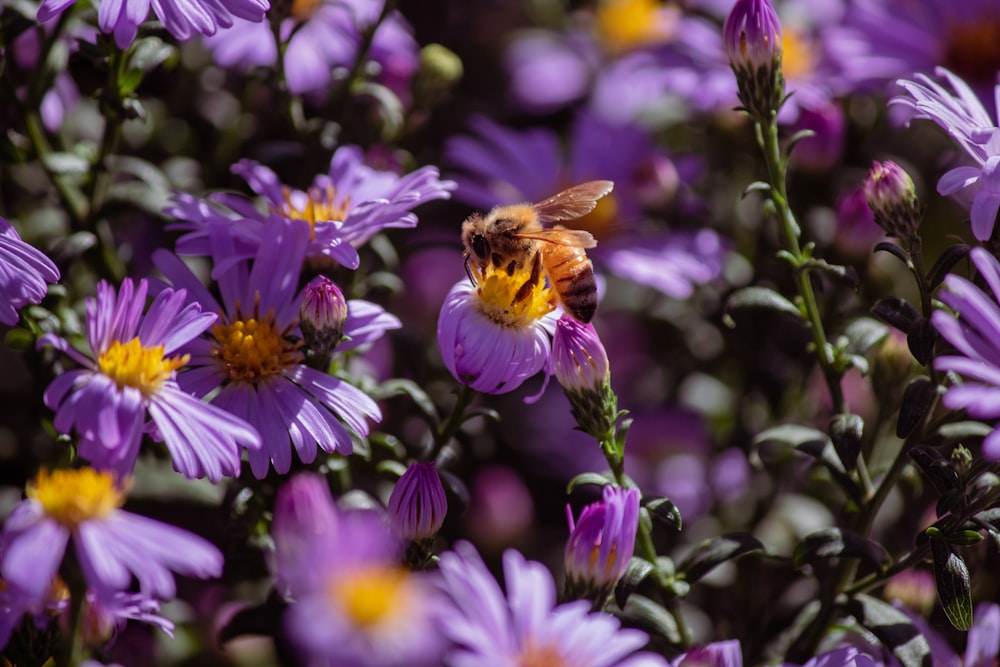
point(449, 427)
point(71, 649)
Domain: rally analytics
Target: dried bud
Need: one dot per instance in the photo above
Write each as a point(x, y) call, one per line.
point(580, 364)
point(752, 36)
point(601, 543)
point(417, 505)
point(892, 197)
point(321, 318)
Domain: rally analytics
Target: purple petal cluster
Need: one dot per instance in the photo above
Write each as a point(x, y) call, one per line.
point(602, 540)
point(24, 274)
point(417, 505)
point(129, 387)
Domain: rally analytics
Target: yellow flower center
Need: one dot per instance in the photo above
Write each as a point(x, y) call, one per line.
point(628, 24)
point(973, 48)
point(797, 54)
point(534, 655)
point(503, 300)
point(74, 496)
point(374, 595)
point(320, 206)
point(251, 349)
point(144, 368)
point(303, 10)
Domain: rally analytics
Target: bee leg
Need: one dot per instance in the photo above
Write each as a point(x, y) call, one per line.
point(529, 284)
point(468, 269)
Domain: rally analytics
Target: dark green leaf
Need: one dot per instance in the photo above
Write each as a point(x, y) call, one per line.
point(19, 339)
point(896, 312)
point(834, 543)
point(846, 432)
point(66, 163)
point(964, 538)
point(261, 619)
point(638, 569)
point(846, 272)
point(803, 438)
point(894, 629)
point(457, 488)
point(863, 334)
point(951, 256)
point(892, 249)
point(757, 297)
point(664, 510)
point(585, 478)
point(757, 186)
point(391, 467)
point(715, 551)
point(935, 467)
point(954, 587)
point(651, 617)
point(917, 400)
point(921, 339)
point(957, 431)
point(401, 386)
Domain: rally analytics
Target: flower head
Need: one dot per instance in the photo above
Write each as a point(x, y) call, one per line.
point(322, 316)
point(976, 336)
point(892, 197)
point(132, 378)
point(24, 272)
point(753, 39)
point(601, 542)
point(962, 116)
point(417, 505)
point(525, 626)
point(111, 546)
point(490, 339)
point(581, 366)
point(253, 363)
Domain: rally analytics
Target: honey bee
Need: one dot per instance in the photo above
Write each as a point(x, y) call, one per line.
point(513, 238)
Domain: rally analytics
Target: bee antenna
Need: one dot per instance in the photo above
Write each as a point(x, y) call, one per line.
point(468, 268)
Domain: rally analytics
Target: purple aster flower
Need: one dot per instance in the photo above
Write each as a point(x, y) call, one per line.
point(981, 646)
point(111, 546)
point(579, 360)
point(352, 603)
point(964, 118)
point(182, 18)
point(499, 165)
point(253, 365)
point(525, 626)
point(718, 654)
point(601, 542)
point(304, 515)
point(976, 335)
point(131, 379)
point(752, 35)
point(417, 504)
point(24, 274)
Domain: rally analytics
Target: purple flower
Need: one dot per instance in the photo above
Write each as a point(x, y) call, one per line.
point(344, 208)
point(976, 335)
point(131, 378)
point(417, 504)
point(578, 357)
point(110, 545)
point(305, 519)
point(718, 654)
point(981, 646)
point(847, 656)
point(892, 197)
point(24, 272)
point(352, 603)
point(601, 542)
point(962, 116)
point(253, 364)
point(752, 35)
point(182, 18)
point(525, 626)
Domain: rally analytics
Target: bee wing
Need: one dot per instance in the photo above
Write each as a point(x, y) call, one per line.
point(573, 203)
point(561, 236)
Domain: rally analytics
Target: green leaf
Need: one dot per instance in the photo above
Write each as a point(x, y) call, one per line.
point(957, 431)
point(896, 312)
point(935, 467)
point(894, 629)
point(845, 432)
point(664, 510)
point(921, 339)
point(651, 617)
point(391, 467)
point(834, 543)
point(863, 334)
point(757, 297)
point(951, 256)
point(714, 551)
point(918, 397)
point(803, 438)
point(588, 478)
point(638, 570)
point(401, 386)
point(954, 587)
point(66, 163)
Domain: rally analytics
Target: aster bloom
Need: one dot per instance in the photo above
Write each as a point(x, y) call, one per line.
point(976, 336)
point(24, 274)
point(352, 603)
point(182, 18)
point(964, 118)
point(253, 365)
point(601, 543)
point(111, 546)
point(489, 339)
point(892, 198)
point(417, 504)
point(132, 377)
point(752, 35)
point(525, 626)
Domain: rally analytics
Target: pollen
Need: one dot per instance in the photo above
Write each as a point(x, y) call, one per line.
point(321, 205)
point(629, 24)
point(133, 365)
point(74, 496)
point(498, 295)
point(797, 54)
point(373, 596)
point(253, 348)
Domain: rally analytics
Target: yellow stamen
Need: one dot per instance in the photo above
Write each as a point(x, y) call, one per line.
point(798, 57)
point(973, 48)
point(374, 595)
point(74, 496)
point(498, 293)
point(320, 206)
point(144, 368)
point(533, 655)
point(628, 24)
point(251, 349)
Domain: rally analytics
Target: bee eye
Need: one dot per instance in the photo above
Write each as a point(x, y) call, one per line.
point(480, 246)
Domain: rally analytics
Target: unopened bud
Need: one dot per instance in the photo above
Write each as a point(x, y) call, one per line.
point(892, 197)
point(580, 364)
point(601, 543)
point(417, 505)
point(321, 317)
point(752, 35)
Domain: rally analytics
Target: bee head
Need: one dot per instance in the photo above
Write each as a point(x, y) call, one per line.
point(476, 245)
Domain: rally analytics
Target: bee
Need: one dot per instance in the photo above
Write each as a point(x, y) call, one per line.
point(513, 238)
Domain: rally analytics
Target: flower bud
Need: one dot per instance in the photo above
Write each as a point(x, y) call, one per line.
point(752, 35)
point(304, 512)
point(440, 69)
point(892, 197)
point(322, 316)
point(580, 364)
point(601, 543)
point(417, 505)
